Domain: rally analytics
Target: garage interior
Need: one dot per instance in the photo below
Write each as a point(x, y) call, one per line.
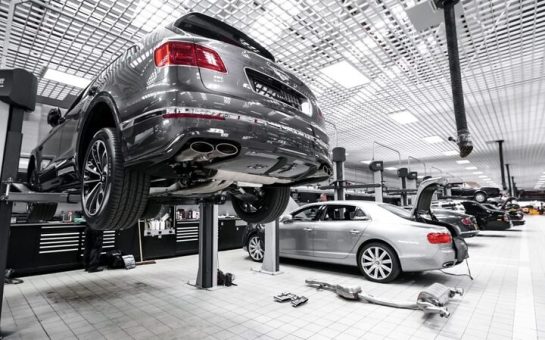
point(405, 145)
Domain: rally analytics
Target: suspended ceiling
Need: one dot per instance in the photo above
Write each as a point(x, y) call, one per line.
point(400, 69)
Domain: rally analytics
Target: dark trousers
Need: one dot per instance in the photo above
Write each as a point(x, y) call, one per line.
point(93, 248)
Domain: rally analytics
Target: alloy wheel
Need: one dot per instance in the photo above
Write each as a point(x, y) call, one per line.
point(96, 178)
point(255, 249)
point(377, 263)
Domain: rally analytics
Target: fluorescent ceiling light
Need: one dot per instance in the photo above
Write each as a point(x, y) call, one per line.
point(477, 172)
point(463, 161)
point(471, 168)
point(483, 176)
point(345, 74)
point(433, 139)
point(403, 117)
point(366, 162)
point(65, 78)
point(392, 168)
point(450, 153)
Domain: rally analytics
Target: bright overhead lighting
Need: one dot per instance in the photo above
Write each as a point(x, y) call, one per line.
point(450, 153)
point(345, 74)
point(433, 139)
point(463, 161)
point(471, 168)
point(65, 78)
point(150, 14)
point(391, 168)
point(477, 172)
point(483, 176)
point(366, 162)
point(403, 117)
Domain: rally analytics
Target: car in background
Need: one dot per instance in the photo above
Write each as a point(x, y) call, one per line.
point(488, 219)
point(370, 235)
point(480, 195)
point(467, 224)
point(195, 109)
point(512, 208)
point(448, 204)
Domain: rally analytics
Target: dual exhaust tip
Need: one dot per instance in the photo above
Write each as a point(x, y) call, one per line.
point(204, 151)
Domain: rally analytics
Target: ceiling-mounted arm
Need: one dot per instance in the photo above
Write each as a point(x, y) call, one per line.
point(419, 161)
point(389, 148)
point(464, 138)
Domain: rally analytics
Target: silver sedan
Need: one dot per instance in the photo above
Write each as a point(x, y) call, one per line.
point(374, 236)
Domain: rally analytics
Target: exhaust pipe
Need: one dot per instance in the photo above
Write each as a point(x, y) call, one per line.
point(226, 149)
point(196, 150)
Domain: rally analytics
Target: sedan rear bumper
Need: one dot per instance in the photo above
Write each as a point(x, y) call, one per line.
point(442, 258)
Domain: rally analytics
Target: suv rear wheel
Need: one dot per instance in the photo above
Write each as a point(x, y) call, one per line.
point(268, 204)
point(112, 197)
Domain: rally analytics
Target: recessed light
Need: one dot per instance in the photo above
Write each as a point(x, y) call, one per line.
point(463, 161)
point(391, 168)
point(433, 139)
point(345, 74)
point(65, 78)
point(471, 168)
point(403, 117)
point(450, 153)
point(477, 172)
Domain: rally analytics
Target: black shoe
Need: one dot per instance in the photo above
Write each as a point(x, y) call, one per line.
point(95, 270)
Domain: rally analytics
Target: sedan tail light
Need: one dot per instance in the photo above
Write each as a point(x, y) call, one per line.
point(437, 238)
point(506, 218)
point(467, 221)
point(188, 54)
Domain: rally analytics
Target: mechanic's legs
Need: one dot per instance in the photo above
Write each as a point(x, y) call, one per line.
point(93, 248)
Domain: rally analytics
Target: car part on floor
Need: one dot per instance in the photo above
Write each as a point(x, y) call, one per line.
point(431, 300)
point(296, 301)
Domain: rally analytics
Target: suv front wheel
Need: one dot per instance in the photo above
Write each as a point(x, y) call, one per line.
point(262, 205)
point(112, 197)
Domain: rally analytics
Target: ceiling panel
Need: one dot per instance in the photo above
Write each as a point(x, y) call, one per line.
point(502, 47)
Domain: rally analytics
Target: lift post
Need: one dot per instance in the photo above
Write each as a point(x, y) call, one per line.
point(271, 258)
point(17, 95)
point(412, 177)
point(377, 167)
point(339, 157)
point(402, 173)
point(207, 275)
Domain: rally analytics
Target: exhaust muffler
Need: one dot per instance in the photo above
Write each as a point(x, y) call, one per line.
point(197, 150)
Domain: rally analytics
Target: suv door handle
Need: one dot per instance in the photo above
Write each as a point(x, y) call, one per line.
point(307, 229)
point(355, 231)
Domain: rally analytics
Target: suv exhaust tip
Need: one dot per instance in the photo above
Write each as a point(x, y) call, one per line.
point(226, 149)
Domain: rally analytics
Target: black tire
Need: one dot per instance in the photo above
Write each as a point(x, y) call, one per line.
point(271, 204)
point(120, 195)
point(153, 209)
point(375, 273)
point(38, 212)
point(480, 197)
point(256, 247)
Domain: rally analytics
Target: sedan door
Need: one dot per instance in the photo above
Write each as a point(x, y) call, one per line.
point(339, 231)
point(297, 233)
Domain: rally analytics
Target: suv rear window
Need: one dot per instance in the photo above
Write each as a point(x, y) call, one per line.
point(208, 27)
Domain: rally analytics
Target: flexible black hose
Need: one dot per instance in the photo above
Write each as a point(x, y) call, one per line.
point(464, 140)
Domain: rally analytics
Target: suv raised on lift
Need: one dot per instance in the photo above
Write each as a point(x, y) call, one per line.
point(195, 109)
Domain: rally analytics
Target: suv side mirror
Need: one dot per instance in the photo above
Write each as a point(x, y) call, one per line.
point(54, 117)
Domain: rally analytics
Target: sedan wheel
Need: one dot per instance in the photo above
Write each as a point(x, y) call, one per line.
point(480, 197)
point(256, 249)
point(378, 262)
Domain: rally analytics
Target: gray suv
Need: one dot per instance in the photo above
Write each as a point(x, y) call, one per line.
point(195, 109)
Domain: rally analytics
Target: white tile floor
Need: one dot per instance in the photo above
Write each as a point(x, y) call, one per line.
point(506, 300)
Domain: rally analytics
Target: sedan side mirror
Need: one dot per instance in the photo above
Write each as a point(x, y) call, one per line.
point(54, 117)
point(286, 219)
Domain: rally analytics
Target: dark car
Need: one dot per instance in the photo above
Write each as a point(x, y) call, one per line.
point(513, 210)
point(480, 195)
point(466, 223)
point(195, 109)
point(488, 219)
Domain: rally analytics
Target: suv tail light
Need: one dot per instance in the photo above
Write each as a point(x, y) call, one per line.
point(467, 221)
point(437, 238)
point(188, 54)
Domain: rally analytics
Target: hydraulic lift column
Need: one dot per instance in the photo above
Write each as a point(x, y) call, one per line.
point(402, 174)
point(339, 157)
point(17, 95)
point(509, 179)
point(412, 176)
point(377, 167)
point(207, 276)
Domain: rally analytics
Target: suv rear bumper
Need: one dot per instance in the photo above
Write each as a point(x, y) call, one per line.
point(271, 143)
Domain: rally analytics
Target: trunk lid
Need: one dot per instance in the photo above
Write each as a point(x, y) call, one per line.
point(425, 193)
